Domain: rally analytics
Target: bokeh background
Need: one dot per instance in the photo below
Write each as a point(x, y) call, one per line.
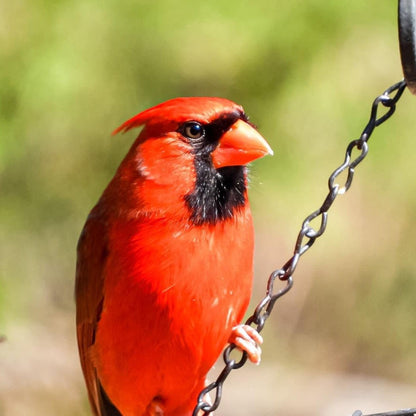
point(306, 73)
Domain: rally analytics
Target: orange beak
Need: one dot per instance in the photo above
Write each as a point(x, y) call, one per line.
point(240, 145)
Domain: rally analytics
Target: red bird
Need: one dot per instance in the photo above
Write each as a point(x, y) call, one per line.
point(165, 260)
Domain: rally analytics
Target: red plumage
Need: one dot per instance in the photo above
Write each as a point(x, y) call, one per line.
point(165, 260)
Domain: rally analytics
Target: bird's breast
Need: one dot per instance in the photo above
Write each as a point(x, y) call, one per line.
point(181, 284)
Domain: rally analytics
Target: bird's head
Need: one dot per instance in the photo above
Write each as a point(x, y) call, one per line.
point(195, 149)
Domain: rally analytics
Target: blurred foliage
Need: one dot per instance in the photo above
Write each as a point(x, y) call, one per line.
point(306, 72)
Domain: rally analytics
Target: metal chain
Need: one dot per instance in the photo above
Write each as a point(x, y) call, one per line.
point(403, 412)
point(305, 239)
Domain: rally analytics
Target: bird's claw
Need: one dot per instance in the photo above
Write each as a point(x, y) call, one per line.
point(247, 339)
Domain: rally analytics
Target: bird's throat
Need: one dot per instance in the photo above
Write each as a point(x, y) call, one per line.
point(218, 193)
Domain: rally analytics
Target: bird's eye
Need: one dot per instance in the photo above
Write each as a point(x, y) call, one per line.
point(193, 130)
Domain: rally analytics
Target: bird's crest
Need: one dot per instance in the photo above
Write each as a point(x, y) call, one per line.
point(203, 109)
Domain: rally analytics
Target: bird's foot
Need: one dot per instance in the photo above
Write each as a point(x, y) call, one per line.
point(247, 339)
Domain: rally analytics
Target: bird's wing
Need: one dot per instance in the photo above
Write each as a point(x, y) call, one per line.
point(92, 255)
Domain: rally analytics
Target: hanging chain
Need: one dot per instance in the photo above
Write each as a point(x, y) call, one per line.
point(304, 242)
point(403, 412)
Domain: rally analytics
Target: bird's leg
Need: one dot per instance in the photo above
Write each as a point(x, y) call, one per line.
point(247, 339)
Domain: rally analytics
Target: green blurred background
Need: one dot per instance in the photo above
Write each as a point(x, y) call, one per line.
point(306, 73)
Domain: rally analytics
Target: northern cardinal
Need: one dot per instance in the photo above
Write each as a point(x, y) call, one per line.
point(165, 260)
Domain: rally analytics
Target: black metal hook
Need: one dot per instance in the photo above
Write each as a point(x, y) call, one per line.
point(407, 39)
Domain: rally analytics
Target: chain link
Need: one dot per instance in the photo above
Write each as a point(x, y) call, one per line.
point(305, 239)
point(403, 412)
